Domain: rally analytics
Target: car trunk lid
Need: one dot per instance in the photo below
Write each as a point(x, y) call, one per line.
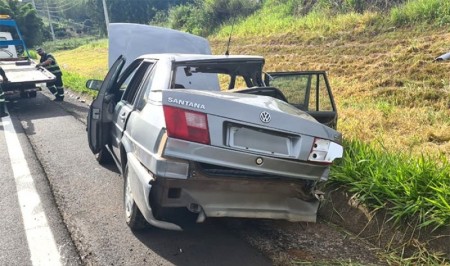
point(260, 112)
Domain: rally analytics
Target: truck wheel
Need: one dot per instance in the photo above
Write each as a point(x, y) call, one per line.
point(104, 157)
point(32, 94)
point(133, 216)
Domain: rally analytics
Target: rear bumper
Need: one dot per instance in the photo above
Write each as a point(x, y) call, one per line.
point(239, 197)
point(285, 192)
point(196, 152)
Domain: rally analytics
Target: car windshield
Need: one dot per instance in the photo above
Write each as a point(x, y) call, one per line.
point(216, 76)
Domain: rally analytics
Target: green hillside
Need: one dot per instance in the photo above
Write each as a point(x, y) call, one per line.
point(388, 88)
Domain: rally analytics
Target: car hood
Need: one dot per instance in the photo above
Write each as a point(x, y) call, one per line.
point(261, 111)
point(132, 40)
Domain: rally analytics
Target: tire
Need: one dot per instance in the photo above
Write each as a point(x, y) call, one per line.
point(104, 157)
point(32, 94)
point(133, 216)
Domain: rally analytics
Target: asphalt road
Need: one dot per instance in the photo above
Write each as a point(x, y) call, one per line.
point(83, 201)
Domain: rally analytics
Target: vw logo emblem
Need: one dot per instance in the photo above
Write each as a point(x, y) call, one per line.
point(265, 117)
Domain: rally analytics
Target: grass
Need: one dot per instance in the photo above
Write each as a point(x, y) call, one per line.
point(68, 44)
point(418, 11)
point(88, 61)
point(391, 65)
point(74, 80)
point(421, 256)
point(410, 188)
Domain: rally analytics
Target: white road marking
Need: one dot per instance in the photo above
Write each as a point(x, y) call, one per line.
point(41, 243)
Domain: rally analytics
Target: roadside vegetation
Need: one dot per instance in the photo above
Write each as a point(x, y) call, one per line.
point(415, 190)
point(393, 98)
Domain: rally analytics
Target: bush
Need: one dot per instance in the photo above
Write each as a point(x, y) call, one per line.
point(203, 17)
point(303, 7)
point(421, 11)
point(225, 10)
point(191, 19)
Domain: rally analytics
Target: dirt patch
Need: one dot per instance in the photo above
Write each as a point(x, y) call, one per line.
point(295, 243)
point(345, 233)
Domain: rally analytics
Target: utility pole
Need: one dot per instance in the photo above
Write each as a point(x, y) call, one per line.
point(105, 11)
point(50, 20)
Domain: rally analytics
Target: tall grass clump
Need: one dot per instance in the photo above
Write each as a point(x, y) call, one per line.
point(421, 11)
point(412, 189)
point(77, 83)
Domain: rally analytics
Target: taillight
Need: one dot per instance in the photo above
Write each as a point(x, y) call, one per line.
point(186, 124)
point(325, 151)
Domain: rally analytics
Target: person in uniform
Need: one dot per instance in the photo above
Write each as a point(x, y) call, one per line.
point(49, 62)
point(2, 93)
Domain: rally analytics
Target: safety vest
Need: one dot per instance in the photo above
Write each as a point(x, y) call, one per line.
point(53, 67)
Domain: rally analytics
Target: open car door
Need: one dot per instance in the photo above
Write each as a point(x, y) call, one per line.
point(307, 90)
point(102, 108)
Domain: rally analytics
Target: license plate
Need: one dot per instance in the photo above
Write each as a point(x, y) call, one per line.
point(259, 141)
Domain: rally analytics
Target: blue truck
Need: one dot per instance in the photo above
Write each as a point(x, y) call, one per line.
point(24, 78)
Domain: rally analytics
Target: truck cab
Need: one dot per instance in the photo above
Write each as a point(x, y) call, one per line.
point(7, 51)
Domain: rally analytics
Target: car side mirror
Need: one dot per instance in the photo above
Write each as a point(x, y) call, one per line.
point(94, 84)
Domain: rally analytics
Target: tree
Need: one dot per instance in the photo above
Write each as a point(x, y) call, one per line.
point(131, 11)
point(96, 15)
point(128, 11)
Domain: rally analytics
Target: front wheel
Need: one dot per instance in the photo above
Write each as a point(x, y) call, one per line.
point(133, 216)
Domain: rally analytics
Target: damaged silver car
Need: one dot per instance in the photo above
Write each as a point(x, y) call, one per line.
point(182, 136)
point(214, 136)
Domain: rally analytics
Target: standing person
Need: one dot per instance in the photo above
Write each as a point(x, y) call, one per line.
point(49, 62)
point(2, 94)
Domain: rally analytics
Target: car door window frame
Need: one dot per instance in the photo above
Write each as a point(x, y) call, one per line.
point(142, 95)
point(311, 105)
point(135, 72)
point(311, 85)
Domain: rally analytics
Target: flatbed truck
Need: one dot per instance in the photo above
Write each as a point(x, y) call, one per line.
point(24, 76)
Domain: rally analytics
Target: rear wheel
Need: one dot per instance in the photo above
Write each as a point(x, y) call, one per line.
point(32, 94)
point(133, 216)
